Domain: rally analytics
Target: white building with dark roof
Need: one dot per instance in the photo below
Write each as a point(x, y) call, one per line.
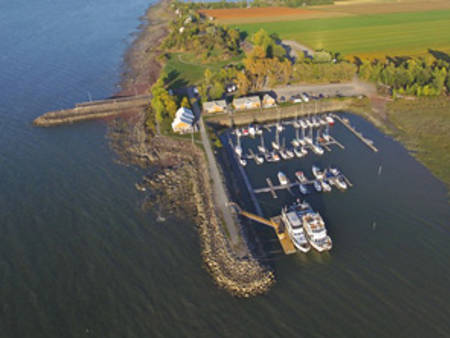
point(183, 121)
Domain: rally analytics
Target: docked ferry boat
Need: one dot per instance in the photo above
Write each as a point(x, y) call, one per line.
point(292, 220)
point(315, 231)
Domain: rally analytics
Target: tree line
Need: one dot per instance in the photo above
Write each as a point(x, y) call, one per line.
point(266, 65)
point(419, 76)
point(191, 31)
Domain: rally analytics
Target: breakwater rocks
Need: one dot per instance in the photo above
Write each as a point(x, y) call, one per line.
point(181, 182)
point(93, 110)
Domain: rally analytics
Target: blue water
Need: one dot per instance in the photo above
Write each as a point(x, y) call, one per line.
point(80, 258)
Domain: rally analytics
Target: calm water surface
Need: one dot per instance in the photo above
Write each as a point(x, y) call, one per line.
point(79, 258)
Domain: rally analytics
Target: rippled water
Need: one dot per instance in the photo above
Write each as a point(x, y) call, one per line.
point(78, 256)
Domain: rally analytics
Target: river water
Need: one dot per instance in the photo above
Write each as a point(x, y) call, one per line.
point(80, 258)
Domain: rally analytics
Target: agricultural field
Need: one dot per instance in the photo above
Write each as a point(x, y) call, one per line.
point(378, 35)
point(184, 69)
point(263, 14)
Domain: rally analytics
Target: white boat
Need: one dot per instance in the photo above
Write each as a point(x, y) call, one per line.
point(303, 124)
point(238, 150)
point(295, 142)
point(252, 131)
point(317, 172)
point(315, 122)
point(315, 231)
point(325, 186)
point(340, 183)
point(242, 162)
point(258, 130)
point(262, 149)
point(280, 127)
point(310, 123)
point(317, 186)
point(301, 177)
point(327, 137)
point(334, 171)
point(322, 121)
point(289, 153)
point(298, 152)
point(283, 154)
point(275, 145)
point(237, 132)
point(303, 189)
point(292, 220)
point(317, 149)
point(302, 141)
point(308, 140)
point(282, 178)
point(330, 120)
point(259, 159)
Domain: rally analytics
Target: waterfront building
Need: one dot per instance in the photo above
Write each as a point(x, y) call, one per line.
point(244, 103)
point(183, 121)
point(268, 101)
point(214, 106)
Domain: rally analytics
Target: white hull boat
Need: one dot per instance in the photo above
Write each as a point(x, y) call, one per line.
point(282, 178)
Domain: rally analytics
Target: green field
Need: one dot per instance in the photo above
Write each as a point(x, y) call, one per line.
point(423, 126)
point(367, 35)
point(184, 69)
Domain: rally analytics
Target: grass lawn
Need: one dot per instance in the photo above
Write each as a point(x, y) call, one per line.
point(184, 69)
point(424, 126)
point(367, 35)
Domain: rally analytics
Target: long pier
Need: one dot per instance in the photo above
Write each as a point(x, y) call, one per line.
point(245, 177)
point(366, 141)
point(93, 110)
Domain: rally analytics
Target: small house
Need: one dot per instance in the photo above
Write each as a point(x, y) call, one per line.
point(268, 101)
point(183, 121)
point(245, 103)
point(214, 106)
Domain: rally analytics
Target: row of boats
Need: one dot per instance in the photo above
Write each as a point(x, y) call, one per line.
point(304, 123)
point(299, 149)
point(305, 227)
point(324, 179)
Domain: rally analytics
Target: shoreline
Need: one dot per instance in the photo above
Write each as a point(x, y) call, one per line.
point(174, 159)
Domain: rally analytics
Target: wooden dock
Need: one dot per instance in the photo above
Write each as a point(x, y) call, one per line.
point(283, 237)
point(270, 188)
point(274, 188)
point(366, 141)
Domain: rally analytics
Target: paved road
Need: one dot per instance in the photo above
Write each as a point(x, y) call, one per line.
point(220, 196)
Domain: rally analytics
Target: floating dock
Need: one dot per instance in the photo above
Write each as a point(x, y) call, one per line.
point(275, 223)
point(366, 141)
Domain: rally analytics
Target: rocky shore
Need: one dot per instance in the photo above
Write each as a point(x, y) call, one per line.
point(177, 170)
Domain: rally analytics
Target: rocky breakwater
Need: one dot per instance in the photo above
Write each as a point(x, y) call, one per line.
point(178, 179)
point(93, 110)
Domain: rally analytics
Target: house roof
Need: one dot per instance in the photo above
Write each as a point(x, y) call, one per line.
point(210, 104)
point(245, 100)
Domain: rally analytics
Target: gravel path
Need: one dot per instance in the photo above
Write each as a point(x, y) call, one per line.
point(220, 196)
